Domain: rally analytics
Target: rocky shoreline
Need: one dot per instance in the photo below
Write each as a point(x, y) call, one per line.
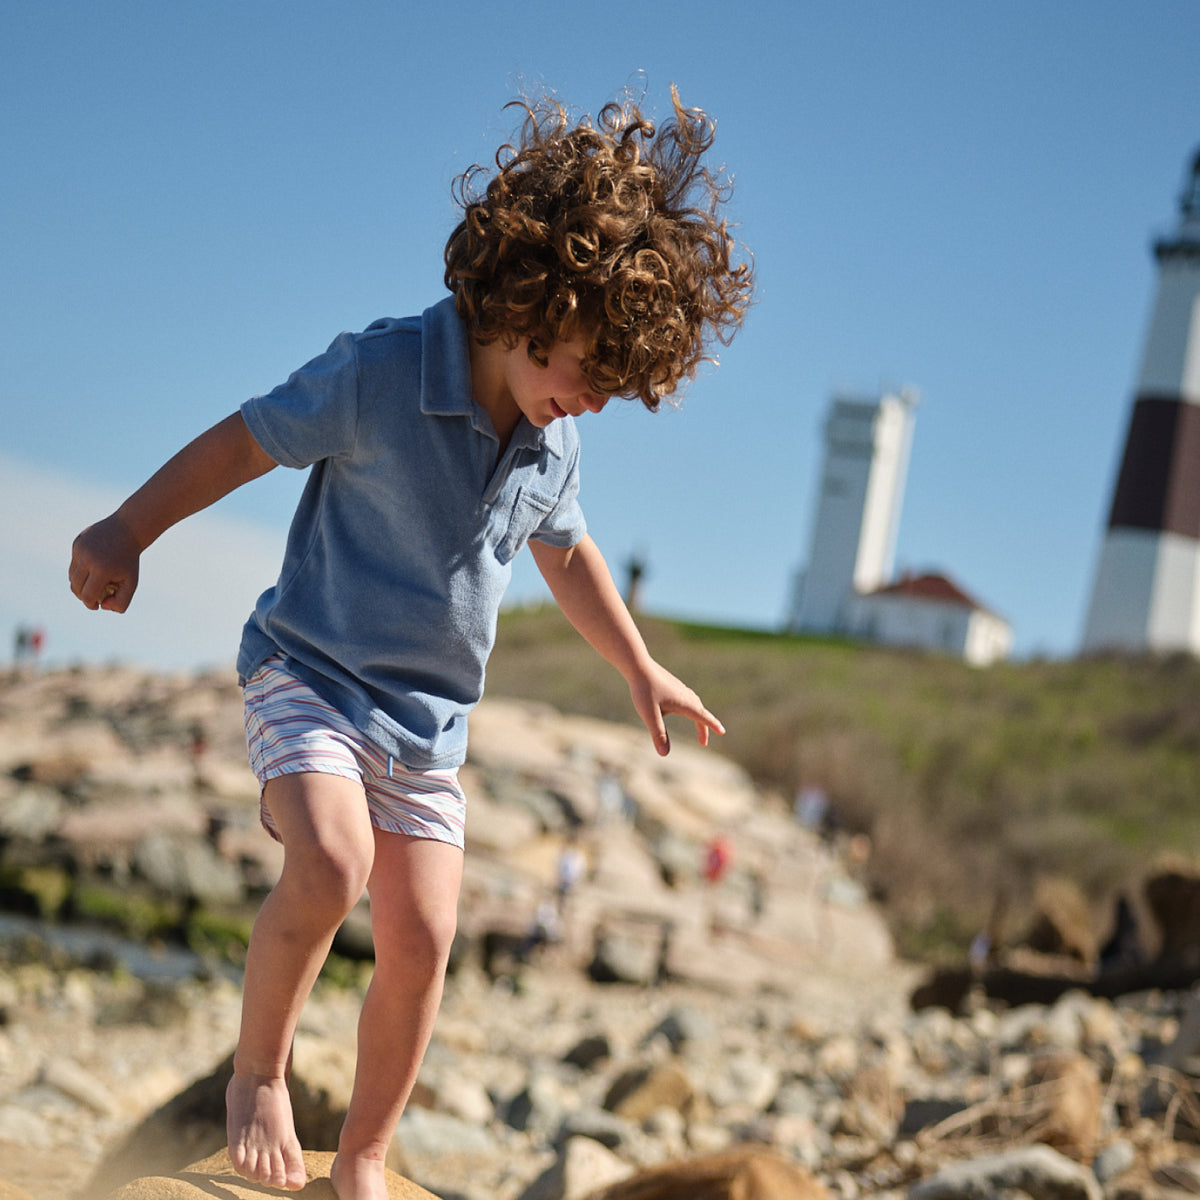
point(668, 1020)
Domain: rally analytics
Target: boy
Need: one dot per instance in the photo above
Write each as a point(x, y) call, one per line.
point(595, 264)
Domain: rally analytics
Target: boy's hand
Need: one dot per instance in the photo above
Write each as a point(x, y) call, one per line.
point(658, 693)
point(104, 565)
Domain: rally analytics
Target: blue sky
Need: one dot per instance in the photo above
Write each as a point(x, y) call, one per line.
point(954, 196)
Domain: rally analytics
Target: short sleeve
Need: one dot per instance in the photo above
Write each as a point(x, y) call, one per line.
point(314, 415)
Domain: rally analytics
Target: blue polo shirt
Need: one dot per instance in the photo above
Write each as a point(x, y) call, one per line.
point(402, 543)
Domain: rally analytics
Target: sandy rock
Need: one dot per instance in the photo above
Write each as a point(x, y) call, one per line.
point(187, 1127)
point(640, 1091)
point(873, 1105)
point(465, 1098)
point(68, 1077)
point(10, 1191)
point(1070, 1094)
point(496, 828)
point(747, 1173)
point(62, 757)
point(1062, 922)
point(214, 1176)
point(1037, 1171)
point(192, 1124)
point(513, 737)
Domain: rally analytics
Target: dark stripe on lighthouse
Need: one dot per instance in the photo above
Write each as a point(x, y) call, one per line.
point(1159, 483)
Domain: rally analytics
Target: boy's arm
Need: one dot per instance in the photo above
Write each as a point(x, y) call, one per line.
point(104, 557)
point(583, 588)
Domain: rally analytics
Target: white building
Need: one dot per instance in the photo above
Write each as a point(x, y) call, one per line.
point(853, 542)
point(847, 586)
point(1146, 594)
point(930, 612)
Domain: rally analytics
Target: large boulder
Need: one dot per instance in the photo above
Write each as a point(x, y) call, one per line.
point(191, 1125)
point(215, 1176)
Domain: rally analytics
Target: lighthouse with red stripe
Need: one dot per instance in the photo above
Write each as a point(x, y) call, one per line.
point(1146, 595)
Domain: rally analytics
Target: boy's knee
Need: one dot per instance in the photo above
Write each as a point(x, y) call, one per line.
point(334, 876)
point(421, 944)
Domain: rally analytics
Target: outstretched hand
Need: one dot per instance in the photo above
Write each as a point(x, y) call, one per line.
point(104, 565)
point(658, 694)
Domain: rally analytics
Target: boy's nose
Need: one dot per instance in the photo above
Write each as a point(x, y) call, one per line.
point(593, 403)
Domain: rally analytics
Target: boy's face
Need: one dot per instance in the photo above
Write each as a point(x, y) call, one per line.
point(559, 389)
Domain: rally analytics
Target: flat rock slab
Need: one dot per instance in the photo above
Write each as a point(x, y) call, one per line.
point(215, 1177)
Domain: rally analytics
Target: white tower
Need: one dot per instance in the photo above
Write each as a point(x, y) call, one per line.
point(1146, 594)
point(853, 542)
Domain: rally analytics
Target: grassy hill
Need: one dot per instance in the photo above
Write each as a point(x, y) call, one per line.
point(974, 785)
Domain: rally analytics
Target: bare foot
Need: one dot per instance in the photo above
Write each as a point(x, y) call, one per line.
point(263, 1146)
point(358, 1178)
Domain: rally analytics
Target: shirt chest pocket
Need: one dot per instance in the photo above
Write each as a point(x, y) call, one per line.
point(524, 516)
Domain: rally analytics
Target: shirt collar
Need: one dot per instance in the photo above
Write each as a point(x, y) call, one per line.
point(446, 380)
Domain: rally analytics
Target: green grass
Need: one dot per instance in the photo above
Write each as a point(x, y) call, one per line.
point(972, 783)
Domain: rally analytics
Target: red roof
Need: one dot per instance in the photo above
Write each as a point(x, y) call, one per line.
point(929, 587)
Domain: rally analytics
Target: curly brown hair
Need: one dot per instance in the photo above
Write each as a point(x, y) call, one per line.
point(610, 232)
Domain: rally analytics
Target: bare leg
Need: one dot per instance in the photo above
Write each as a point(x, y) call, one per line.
point(414, 909)
point(328, 850)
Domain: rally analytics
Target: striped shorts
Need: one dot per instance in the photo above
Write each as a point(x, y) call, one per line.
point(291, 730)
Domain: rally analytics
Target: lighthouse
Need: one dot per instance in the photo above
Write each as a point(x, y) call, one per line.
point(1146, 595)
point(867, 442)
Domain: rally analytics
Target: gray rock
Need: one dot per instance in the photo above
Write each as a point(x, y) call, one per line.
point(187, 867)
point(1115, 1159)
point(31, 812)
point(746, 1080)
point(428, 1136)
point(540, 1106)
point(607, 1128)
point(681, 1026)
point(627, 955)
point(796, 1098)
point(582, 1167)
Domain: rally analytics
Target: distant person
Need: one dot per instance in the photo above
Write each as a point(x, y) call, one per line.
point(572, 866)
point(545, 929)
point(811, 808)
point(718, 855)
point(28, 645)
point(596, 263)
point(614, 805)
point(20, 647)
